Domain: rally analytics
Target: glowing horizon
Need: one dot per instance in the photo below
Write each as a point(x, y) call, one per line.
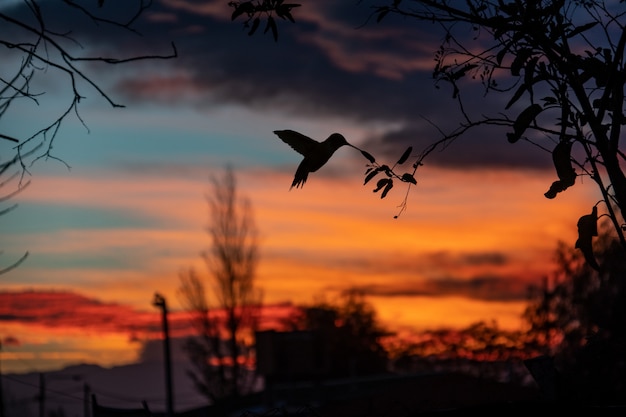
point(424, 270)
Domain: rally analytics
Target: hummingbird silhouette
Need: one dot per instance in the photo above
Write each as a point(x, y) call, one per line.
point(315, 153)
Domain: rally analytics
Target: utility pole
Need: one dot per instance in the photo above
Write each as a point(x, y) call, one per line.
point(86, 400)
point(159, 301)
point(42, 395)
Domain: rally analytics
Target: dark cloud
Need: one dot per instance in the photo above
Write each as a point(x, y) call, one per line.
point(483, 287)
point(469, 259)
point(476, 275)
point(332, 62)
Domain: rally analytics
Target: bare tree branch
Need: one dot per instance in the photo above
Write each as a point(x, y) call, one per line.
point(38, 51)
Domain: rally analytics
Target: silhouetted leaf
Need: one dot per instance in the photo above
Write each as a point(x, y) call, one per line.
point(529, 71)
point(382, 12)
point(368, 156)
point(405, 156)
point(549, 100)
point(386, 169)
point(371, 175)
point(522, 88)
point(406, 177)
point(593, 67)
point(502, 53)
point(587, 229)
point(255, 26)
point(523, 121)
point(284, 11)
point(271, 24)
point(582, 28)
point(561, 157)
point(388, 187)
point(381, 183)
point(246, 7)
point(519, 61)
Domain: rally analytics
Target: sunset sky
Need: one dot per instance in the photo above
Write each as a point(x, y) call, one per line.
point(131, 212)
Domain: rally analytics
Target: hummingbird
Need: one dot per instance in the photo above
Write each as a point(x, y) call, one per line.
point(315, 153)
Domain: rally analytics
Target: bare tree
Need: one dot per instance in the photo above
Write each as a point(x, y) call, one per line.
point(225, 322)
point(561, 66)
point(34, 47)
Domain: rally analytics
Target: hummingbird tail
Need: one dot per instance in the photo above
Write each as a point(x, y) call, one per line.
point(300, 178)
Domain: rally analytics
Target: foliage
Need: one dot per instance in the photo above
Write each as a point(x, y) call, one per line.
point(480, 341)
point(580, 316)
point(34, 49)
point(560, 65)
point(254, 11)
point(352, 332)
point(225, 325)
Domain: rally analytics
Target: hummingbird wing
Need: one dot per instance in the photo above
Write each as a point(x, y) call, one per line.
point(299, 142)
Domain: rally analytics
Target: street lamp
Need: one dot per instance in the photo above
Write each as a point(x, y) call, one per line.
point(159, 301)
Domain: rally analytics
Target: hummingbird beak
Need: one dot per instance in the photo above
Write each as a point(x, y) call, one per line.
point(364, 153)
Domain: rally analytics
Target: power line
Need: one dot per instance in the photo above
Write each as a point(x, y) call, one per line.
point(48, 390)
point(129, 399)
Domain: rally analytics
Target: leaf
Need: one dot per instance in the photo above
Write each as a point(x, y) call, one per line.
point(371, 175)
point(549, 100)
point(386, 169)
point(519, 60)
point(388, 187)
point(522, 88)
point(582, 28)
point(406, 177)
point(290, 17)
point(587, 229)
point(523, 121)
point(561, 157)
point(368, 156)
point(502, 53)
point(271, 24)
point(381, 183)
point(255, 26)
point(246, 7)
point(284, 11)
point(382, 12)
point(405, 156)
point(529, 71)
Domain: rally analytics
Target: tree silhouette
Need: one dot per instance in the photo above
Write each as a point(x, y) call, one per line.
point(579, 316)
point(561, 67)
point(35, 49)
point(350, 331)
point(226, 322)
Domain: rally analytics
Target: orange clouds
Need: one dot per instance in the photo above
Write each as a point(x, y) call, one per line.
point(464, 251)
point(477, 237)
